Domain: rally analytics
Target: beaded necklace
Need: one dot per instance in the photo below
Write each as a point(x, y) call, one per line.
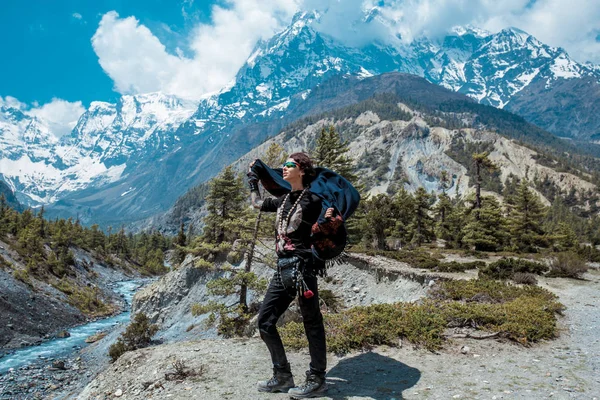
point(282, 228)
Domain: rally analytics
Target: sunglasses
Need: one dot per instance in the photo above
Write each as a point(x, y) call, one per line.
point(290, 164)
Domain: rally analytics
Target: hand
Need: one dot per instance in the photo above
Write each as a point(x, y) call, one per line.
point(329, 213)
point(252, 165)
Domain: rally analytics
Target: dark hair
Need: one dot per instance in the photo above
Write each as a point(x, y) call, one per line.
point(305, 163)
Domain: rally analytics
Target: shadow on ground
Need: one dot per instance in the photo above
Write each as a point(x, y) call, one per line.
point(371, 375)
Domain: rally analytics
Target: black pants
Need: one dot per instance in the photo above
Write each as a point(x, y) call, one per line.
point(274, 305)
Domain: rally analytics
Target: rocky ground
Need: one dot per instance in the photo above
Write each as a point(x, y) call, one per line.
point(565, 368)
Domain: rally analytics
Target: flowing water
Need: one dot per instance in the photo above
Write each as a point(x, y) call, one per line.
point(63, 346)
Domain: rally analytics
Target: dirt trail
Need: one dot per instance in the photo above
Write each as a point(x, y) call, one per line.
point(566, 368)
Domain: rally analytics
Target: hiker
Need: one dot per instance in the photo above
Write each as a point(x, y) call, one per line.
point(297, 269)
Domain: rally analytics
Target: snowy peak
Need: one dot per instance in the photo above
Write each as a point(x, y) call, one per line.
point(470, 30)
point(107, 138)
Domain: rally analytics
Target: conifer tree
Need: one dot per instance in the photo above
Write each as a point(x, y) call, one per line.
point(404, 209)
point(379, 220)
point(331, 152)
point(181, 238)
point(526, 220)
point(422, 222)
point(453, 230)
point(190, 234)
point(442, 211)
point(225, 201)
point(482, 162)
point(275, 155)
point(485, 227)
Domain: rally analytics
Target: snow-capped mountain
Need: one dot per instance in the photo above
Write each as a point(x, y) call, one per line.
point(493, 69)
point(131, 159)
point(106, 140)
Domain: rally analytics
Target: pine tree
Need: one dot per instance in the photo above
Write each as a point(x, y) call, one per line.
point(481, 162)
point(442, 210)
point(526, 220)
point(225, 202)
point(404, 210)
point(453, 229)
point(379, 220)
point(422, 222)
point(181, 238)
point(485, 227)
point(190, 234)
point(331, 152)
point(275, 155)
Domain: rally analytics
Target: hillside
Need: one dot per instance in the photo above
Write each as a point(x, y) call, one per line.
point(57, 274)
point(404, 131)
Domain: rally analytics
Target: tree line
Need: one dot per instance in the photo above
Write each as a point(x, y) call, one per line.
point(46, 246)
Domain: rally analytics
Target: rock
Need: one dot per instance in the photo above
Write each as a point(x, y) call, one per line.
point(63, 334)
point(59, 364)
point(465, 349)
point(118, 393)
point(95, 338)
point(356, 289)
point(431, 283)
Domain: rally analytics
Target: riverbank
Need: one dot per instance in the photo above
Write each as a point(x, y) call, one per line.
point(58, 365)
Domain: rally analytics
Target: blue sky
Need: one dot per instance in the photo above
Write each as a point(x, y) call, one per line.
point(48, 44)
point(59, 55)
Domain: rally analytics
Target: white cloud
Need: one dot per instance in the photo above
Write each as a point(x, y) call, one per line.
point(12, 102)
point(138, 62)
point(572, 25)
point(60, 115)
point(77, 16)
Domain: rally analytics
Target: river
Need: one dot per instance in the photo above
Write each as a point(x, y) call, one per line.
point(61, 347)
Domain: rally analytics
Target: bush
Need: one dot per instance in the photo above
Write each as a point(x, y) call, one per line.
point(137, 335)
point(567, 265)
point(23, 276)
point(505, 268)
point(454, 266)
point(332, 302)
point(524, 278)
point(86, 299)
point(487, 291)
point(524, 314)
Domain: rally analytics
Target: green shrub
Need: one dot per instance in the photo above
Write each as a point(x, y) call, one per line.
point(524, 314)
point(567, 265)
point(505, 268)
point(332, 302)
point(23, 276)
point(137, 335)
point(485, 290)
point(454, 266)
point(86, 299)
point(525, 319)
point(202, 264)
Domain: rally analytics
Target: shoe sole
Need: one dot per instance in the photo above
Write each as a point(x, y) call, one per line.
point(318, 393)
point(279, 390)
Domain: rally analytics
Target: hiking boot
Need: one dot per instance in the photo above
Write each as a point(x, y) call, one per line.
point(281, 382)
point(314, 386)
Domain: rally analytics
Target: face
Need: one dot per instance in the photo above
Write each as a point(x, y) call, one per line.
point(292, 173)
